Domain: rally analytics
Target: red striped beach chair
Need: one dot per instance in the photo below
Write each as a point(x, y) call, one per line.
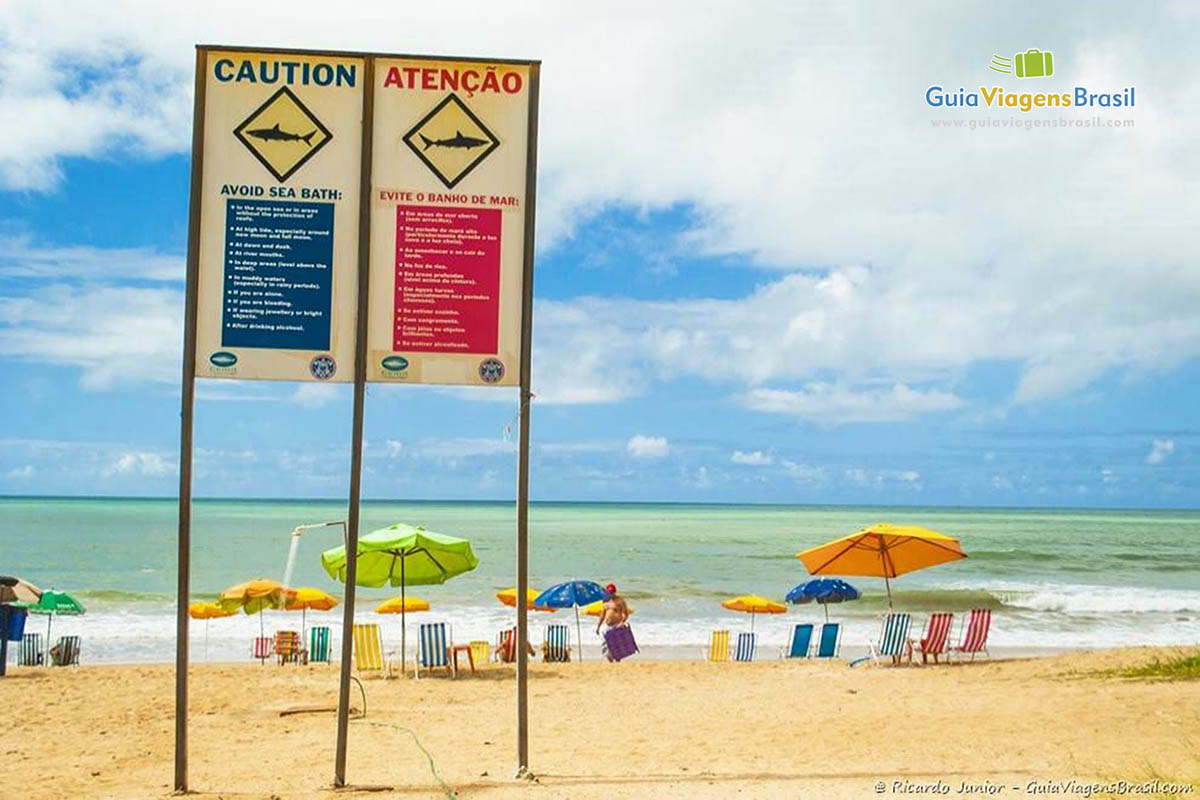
point(264, 648)
point(933, 640)
point(287, 647)
point(974, 639)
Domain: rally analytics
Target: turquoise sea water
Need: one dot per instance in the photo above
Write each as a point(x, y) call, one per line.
point(1053, 578)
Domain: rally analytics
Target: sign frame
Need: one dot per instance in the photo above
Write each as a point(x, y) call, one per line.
point(187, 397)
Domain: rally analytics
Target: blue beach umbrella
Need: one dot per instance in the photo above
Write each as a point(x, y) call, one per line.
point(572, 594)
point(823, 591)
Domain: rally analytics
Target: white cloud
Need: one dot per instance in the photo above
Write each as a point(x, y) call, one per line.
point(465, 447)
point(755, 458)
point(20, 258)
point(804, 473)
point(1160, 451)
point(315, 395)
point(142, 462)
point(22, 473)
point(822, 402)
point(640, 446)
point(393, 448)
point(963, 268)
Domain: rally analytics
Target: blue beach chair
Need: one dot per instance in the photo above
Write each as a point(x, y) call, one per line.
point(893, 639)
point(30, 654)
point(557, 644)
point(432, 646)
point(801, 640)
point(830, 640)
point(745, 647)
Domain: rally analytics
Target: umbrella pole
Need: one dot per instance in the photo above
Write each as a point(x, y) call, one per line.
point(261, 633)
point(49, 619)
point(888, 584)
point(403, 620)
point(826, 607)
point(578, 633)
point(752, 622)
point(206, 640)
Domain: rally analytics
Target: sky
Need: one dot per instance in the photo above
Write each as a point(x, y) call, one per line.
point(767, 269)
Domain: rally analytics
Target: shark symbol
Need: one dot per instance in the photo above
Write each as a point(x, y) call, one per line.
point(273, 134)
point(464, 142)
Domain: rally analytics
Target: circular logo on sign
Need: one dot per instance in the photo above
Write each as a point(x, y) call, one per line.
point(491, 370)
point(322, 367)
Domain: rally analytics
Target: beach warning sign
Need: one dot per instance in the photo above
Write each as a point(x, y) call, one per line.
point(438, 139)
point(278, 229)
point(275, 134)
point(448, 213)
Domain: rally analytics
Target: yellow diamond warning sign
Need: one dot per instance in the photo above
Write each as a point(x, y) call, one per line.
point(283, 134)
point(451, 140)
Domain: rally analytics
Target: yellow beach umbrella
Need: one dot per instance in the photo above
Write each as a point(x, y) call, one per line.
point(882, 551)
point(597, 608)
point(305, 598)
point(252, 597)
point(207, 611)
point(752, 604)
point(509, 598)
point(405, 605)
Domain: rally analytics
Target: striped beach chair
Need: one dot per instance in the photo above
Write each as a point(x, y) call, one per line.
point(30, 654)
point(481, 651)
point(318, 644)
point(893, 639)
point(974, 640)
point(718, 646)
point(933, 640)
point(264, 648)
point(801, 640)
point(66, 652)
point(505, 652)
point(745, 647)
point(830, 640)
point(556, 646)
point(368, 650)
point(433, 641)
point(287, 647)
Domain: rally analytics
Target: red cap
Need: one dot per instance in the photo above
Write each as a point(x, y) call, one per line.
point(611, 588)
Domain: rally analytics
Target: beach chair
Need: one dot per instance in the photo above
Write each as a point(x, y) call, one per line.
point(830, 640)
point(264, 648)
point(66, 652)
point(30, 654)
point(745, 647)
point(287, 647)
point(933, 640)
point(505, 652)
point(368, 650)
point(318, 644)
point(974, 640)
point(801, 640)
point(556, 646)
point(893, 639)
point(433, 644)
point(718, 646)
point(481, 650)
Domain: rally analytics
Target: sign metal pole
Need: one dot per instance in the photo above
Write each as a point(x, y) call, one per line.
point(187, 405)
point(523, 457)
point(360, 389)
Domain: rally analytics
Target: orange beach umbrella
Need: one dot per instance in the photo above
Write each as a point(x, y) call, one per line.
point(509, 598)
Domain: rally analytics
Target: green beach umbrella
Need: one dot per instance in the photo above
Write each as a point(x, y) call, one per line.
point(54, 602)
point(403, 555)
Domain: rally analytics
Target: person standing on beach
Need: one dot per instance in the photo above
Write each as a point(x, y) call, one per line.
point(615, 612)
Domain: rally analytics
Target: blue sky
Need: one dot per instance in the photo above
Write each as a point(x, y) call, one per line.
point(762, 275)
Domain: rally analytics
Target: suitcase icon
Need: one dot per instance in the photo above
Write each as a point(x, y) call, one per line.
point(1034, 63)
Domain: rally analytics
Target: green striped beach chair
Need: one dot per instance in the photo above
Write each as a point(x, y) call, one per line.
point(433, 642)
point(30, 654)
point(318, 644)
point(745, 647)
point(66, 652)
point(557, 644)
point(830, 640)
point(893, 639)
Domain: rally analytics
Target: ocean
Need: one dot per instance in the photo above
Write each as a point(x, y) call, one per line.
point(1054, 578)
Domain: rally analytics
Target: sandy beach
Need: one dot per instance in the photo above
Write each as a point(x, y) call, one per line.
point(656, 729)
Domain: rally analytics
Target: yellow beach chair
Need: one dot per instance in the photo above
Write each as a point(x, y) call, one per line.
point(368, 650)
point(481, 651)
point(718, 646)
